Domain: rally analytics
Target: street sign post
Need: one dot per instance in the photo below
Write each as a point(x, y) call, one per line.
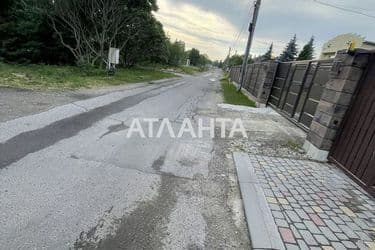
point(113, 60)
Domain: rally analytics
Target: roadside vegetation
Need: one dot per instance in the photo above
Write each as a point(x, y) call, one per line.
point(73, 38)
point(231, 96)
point(182, 69)
point(71, 77)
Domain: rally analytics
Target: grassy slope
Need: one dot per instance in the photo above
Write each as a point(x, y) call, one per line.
point(231, 96)
point(69, 77)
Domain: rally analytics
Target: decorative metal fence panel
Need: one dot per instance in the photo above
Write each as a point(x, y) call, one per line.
point(297, 89)
point(253, 77)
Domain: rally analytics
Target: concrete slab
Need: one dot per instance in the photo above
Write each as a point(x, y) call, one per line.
point(314, 153)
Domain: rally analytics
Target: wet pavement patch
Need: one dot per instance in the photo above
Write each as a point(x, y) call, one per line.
point(114, 129)
point(32, 141)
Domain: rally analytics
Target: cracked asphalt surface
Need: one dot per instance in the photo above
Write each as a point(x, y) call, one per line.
point(69, 177)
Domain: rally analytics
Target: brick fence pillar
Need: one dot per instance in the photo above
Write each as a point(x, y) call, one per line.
point(338, 93)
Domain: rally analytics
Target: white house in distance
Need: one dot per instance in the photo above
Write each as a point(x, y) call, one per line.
point(345, 41)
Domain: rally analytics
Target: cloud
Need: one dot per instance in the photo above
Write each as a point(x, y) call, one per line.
point(199, 28)
point(212, 26)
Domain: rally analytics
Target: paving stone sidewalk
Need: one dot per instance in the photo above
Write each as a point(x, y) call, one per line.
point(315, 205)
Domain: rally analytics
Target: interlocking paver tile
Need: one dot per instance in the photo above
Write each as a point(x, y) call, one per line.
point(338, 220)
point(317, 209)
point(363, 236)
point(283, 201)
point(302, 214)
point(271, 200)
point(308, 237)
point(363, 246)
point(349, 244)
point(291, 247)
point(321, 239)
point(278, 214)
point(275, 207)
point(329, 234)
point(300, 225)
point(317, 220)
point(338, 246)
point(293, 216)
point(342, 236)
point(333, 226)
point(302, 245)
point(287, 235)
point(315, 205)
point(295, 232)
point(353, 226)
point(295, 205)
point(281, 223)
point(350, 233)
point(311, 227)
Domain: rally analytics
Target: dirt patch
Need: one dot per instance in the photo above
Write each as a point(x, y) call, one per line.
point(225, 219)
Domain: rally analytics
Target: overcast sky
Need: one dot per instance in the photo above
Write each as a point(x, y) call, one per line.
point(213, 25)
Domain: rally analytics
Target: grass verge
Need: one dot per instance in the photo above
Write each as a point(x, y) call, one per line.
point(70, 77)
point(183, 69)
point(231, 96)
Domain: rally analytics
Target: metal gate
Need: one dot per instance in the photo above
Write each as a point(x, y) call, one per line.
point(298, 88)
point(354, 148)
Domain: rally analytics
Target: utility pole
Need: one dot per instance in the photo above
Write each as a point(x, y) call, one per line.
point(249, 42)
point(228, 57)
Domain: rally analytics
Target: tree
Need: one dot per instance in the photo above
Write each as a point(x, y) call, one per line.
point(147, 5)
point(290, 51)
point(81, 32)
point(234, 60)
point(268, 55)
point(307, 52)
point(194, 56)
point(88, 28)
point(176, 53)
point(204, 60)
point(149, 42)
point(26, 36)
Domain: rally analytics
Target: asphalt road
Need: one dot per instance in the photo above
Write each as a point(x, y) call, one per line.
point(69, 177)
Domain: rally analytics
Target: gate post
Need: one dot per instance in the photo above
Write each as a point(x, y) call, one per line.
point(346, 73)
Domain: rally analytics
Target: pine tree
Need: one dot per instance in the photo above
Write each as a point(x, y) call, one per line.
point(268, 55)
point(290, 52)
point(307, 52)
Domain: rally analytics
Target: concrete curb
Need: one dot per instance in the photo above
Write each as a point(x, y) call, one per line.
point(262, 227)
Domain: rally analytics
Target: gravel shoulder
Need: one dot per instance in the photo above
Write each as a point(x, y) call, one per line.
point(16, 102)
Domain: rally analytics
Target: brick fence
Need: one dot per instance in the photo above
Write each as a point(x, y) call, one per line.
point(337, 96)
point(337, 93)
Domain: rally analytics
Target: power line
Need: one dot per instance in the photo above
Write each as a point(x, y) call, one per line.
point(239, 34)
point(344, 9)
